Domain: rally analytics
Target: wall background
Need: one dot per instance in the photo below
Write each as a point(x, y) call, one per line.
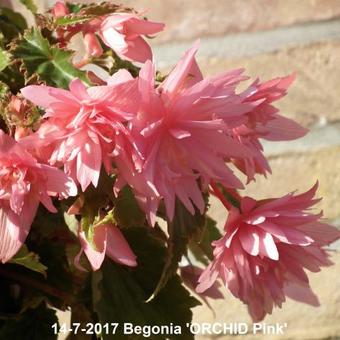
point(272, 38)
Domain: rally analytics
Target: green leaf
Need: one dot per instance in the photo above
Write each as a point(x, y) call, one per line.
point(119, 293)
point(95, 202)
point(34, 324)
point(11, 24)
point(74, 8)
point(29, 260)
point(83, 13)
point(11, 17)
point(202, 249)
point(71, 20)
point(126, 211)
point(183, 227)
point(72, 223)
point(49, 237)
point(30, 5)
point(4, 59)
point(51, 63)
point(96, 199)
point(4, 90)
point(32, 300)
point(12, 77)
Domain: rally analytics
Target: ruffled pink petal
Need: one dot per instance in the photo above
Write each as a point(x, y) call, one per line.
point(301, 294)
point(116, 21)
point(142, 27)
point(114, 40)
point(207, 279)
point(96, 255)
point(6, 143)
point(137, 50)
point(117, 247)
point(121, 76)
point(14, 228)
point(146, 80)
point(58, 183)
point(9, 246)
point(281, 128)
point(250, 241)
point(92, 45)
point(177, 76)
point(321, 233)
point(19, 190)
point(78, 89)
point(47, 202)
point(44, 96)
point(268, 246)
point(191, 274)
point(89, 164)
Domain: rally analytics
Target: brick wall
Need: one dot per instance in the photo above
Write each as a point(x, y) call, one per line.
point(191, 19)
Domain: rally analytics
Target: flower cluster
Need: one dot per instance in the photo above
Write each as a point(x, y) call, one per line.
point(174, 140)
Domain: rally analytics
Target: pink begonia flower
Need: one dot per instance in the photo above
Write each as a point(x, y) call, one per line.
point(108, 240)
point(267, 247)
point(84, 126)
point(23, 184)
point(264, 122)
point(123, 33)
point(179, 138)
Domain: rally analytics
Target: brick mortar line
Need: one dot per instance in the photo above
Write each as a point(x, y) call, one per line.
point(317, 139)
point(247, 44)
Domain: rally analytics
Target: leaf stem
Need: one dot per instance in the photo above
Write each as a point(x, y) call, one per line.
point(28, 281)
point(230, 199)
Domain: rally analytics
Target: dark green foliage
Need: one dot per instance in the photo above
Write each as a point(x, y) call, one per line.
point(120, 292)
point(34, 324)
point(126, 211)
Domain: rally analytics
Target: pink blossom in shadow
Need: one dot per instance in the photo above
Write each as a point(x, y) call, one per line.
point(107, 240)
point(190, 275)
point(24, 183)
point(266, 249)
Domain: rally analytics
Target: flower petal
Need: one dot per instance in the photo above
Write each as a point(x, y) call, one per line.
point(117, 247)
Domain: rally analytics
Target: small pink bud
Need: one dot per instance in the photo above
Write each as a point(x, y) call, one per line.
point(59, 9)
point(17, 108)
point(92, 45)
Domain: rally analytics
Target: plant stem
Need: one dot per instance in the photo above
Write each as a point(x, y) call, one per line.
point(29, 281)
point(216, 191)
